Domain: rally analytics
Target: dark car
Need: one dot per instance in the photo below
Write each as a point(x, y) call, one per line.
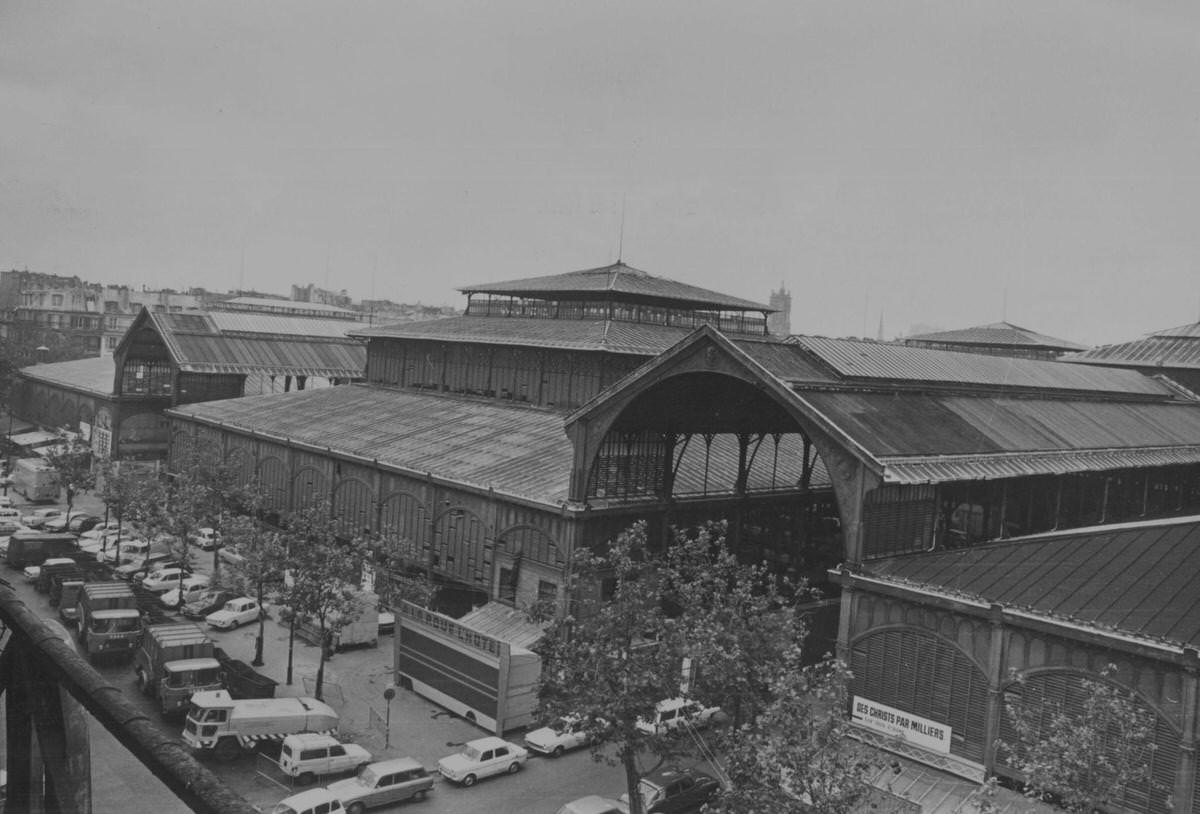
point(83, 522)
point(77, 522)
point(209, 602)
point(670, 791)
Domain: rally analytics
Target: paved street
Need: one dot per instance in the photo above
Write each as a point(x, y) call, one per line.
point(354, 684)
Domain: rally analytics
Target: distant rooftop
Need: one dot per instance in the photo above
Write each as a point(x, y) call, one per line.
point(1171, 348)
point(268, 304)
point(617, 282)
point(92, 375)
point(997, 334)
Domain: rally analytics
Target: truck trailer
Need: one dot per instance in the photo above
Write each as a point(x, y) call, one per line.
point(35, 479)
point(172, 662)
point(217, 723)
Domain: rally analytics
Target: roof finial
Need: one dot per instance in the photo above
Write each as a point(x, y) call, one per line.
point(621, 234)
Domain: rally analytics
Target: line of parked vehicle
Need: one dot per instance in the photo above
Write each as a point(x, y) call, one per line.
point(665, 791)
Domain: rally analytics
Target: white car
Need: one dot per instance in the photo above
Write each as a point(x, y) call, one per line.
point(482, 758)
point(308, 756)
point(560, 736)
point(193, 587)
point(674, 713)
point(37, 517)
point(240, 611)
point(164, 579)
point(205, 538)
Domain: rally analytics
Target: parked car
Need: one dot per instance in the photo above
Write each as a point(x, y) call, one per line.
point(230, 556)
point(594, 804)
point(141, 567)
point(307, 756)
point(208, 601)
point(313, 801)
point(561, 735)
point(83, 522)
point(674, 713)
point(236, 612)
point(194, 586)
point(205, 538)
point(10, 525)
point(383, 783)
point(77, 522)
point(482, 758)
point(32, 572)
point(38, 517)
point(668, 791)
point(164, 578)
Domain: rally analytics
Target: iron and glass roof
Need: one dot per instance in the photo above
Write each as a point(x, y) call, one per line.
point(617, 282)
point(275, 344)
point(998, 334)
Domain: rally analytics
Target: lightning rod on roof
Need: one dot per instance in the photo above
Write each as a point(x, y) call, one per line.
point(621, 234)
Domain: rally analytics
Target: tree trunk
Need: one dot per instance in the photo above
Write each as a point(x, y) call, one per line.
point(321, 663)
point(632, 778)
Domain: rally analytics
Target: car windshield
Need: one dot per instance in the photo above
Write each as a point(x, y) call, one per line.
point(367, 777)
point(650, 792)
point(471, 753)
point(561, 725)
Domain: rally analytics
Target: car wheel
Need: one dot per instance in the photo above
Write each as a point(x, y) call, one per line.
point(142, 682)
point(420, 795)
point(355, 808)
point(305, 778)
point(469, 780)
point(558, 752)
point(513, 768)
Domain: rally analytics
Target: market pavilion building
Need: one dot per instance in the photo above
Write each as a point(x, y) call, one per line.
point(551, 415)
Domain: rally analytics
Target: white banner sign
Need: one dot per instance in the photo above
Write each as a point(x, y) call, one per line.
point(900, 724)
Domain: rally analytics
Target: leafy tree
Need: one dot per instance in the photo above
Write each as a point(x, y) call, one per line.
point(1086, 757)
point(71, 460)
point(735, 621)
point(610, 659)
point(263, 558)
point(119, 486)
point(797, 755)
point(325, 574)
point(393, 582)
point(197, 492)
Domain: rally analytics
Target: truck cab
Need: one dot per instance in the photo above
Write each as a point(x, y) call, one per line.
point(111, 632)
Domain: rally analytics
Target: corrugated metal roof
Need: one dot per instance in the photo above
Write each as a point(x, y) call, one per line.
point(269, 302)
point(617, 279)
point(94, 375)
point(278, 345)
point(1160, 350)
point(1000, 334)
point(1189, 331)
point(574, 334)
point(280, 324)
point(1135, 579)
point(889, 425)
point(859, 359)
point(505, 623)
point(519, 451)
point(943, 468)
point(274, 356)
point(786, 361)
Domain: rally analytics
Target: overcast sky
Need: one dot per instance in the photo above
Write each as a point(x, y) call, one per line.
point(940, 163)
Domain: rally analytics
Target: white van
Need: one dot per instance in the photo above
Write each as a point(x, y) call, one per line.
point(307, 756)
point(314, 801)
point(673, 713)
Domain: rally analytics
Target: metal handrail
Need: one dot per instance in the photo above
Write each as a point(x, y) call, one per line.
point(55, 662)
